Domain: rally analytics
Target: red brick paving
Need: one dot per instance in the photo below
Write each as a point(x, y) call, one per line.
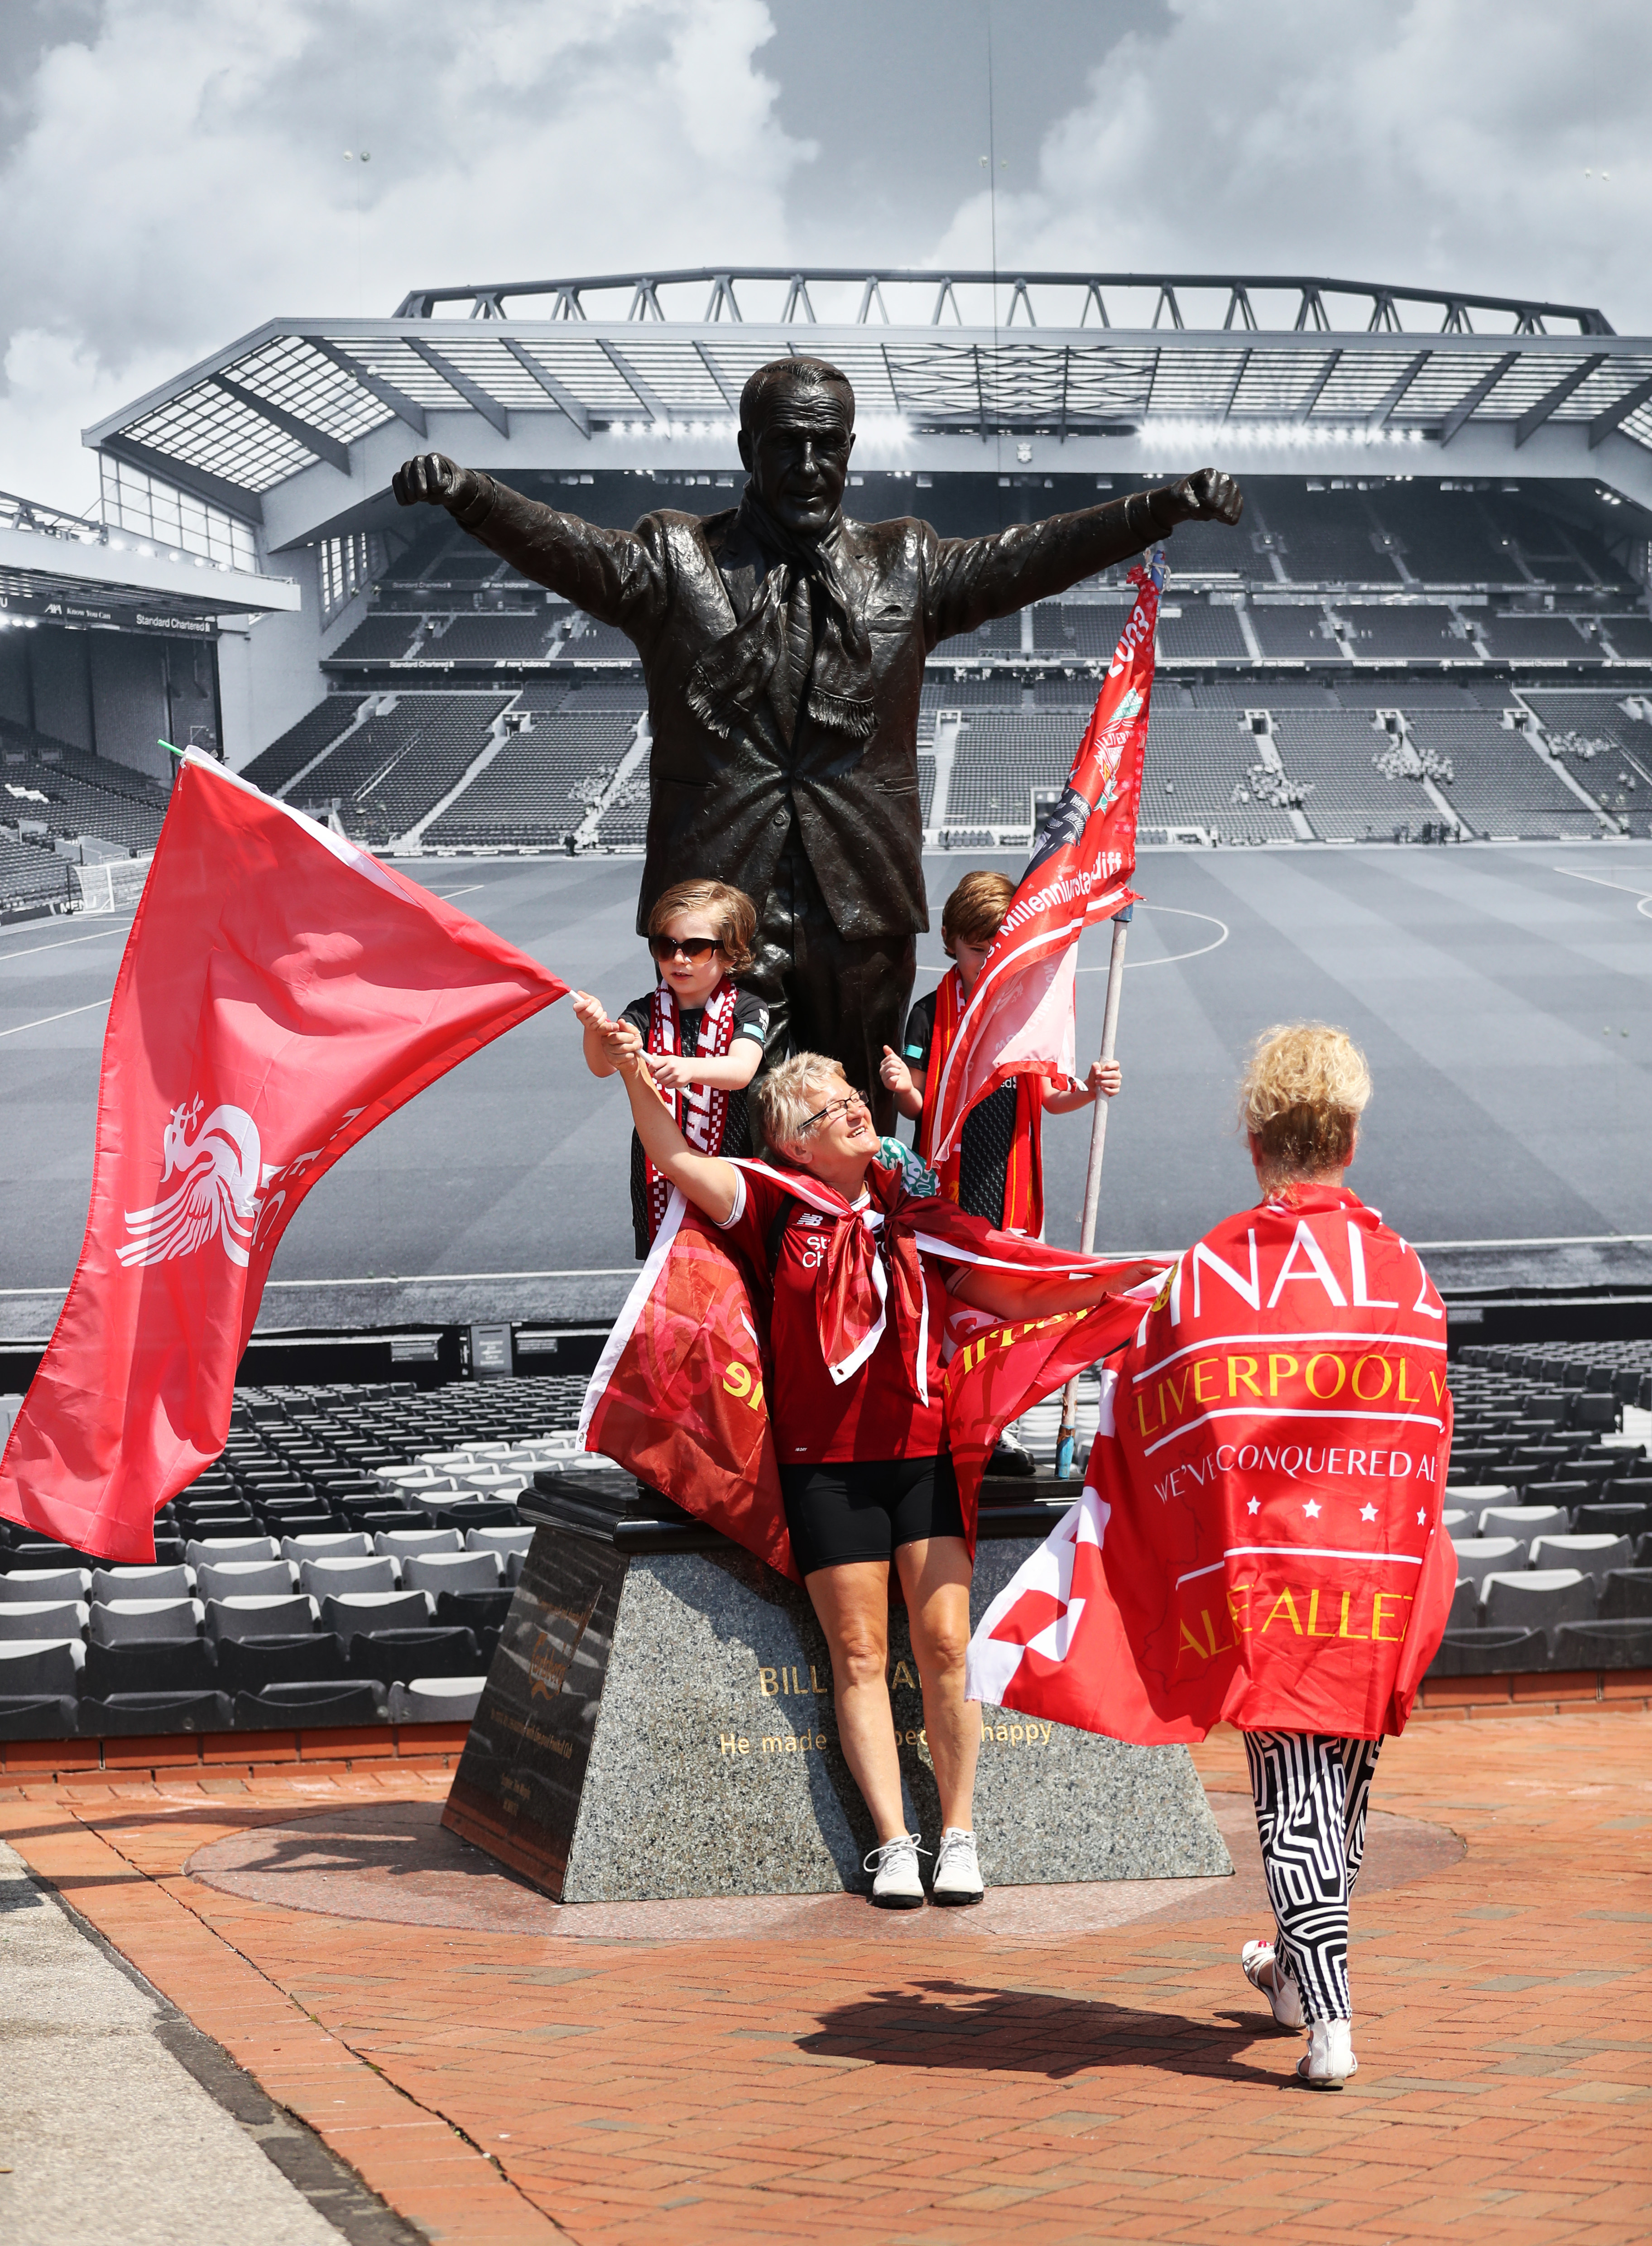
point(498, 2086)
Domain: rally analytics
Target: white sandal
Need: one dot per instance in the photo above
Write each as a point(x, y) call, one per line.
point(1277, 1983)
point(1329, 2060)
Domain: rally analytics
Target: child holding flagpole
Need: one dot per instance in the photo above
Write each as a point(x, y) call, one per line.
point(702, 1035)
point(996, 1168)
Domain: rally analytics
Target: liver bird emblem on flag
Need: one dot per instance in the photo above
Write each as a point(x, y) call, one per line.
point(216, 1163)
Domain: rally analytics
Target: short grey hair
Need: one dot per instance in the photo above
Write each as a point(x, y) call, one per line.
point(768, 384)
point(788, 1095)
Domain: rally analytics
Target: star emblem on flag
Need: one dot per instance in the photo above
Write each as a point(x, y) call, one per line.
point(1311, 1510)
point(1254, 1505)
point(1367, 1513)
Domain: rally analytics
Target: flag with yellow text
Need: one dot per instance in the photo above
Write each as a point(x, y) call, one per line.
point(1258, 1539)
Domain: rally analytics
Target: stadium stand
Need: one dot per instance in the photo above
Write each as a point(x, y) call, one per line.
point(591, 641)
point(540, 784)
point(1270, 693)
point(1422, 633)
point(1515, 638)
point(383, 638)
point(84, 794)
point(1296, 632)
point(30, 875)
point(1067, 628)
point(508, 639)
point(301, 743)
point(1631, 638)
point(1330, 752)
point(1499, 783)
point(1597, 720)
point(1001, 756)
point(393, 769)
point(1329, 535)
point(1198, 773)
point(1199, 633)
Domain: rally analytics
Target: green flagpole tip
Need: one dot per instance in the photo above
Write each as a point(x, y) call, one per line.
point(168, 747)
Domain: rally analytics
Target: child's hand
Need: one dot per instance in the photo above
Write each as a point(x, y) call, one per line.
point(1105, 1077)
point(591, 1013)
point(622, 1039)
point(672, 1072)
point(893, 1071)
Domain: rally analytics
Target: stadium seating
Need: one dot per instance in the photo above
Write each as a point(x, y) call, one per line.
point(1499, 783)
point(1537, 1598)
point(539, 785)
point(1193, 631)
point(1198, 773)
point(401, 763)
point(1298, 632)
point(1415, 633)
point(1332, 751)
point(387, 636)
point(30, 875)
point(83, 795)
point(1516, 636)
point(508, 639)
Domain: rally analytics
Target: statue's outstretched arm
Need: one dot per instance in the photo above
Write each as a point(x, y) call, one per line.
point(972, 579)
point(613, 575)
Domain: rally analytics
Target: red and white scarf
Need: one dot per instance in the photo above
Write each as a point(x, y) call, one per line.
point(700, 1110)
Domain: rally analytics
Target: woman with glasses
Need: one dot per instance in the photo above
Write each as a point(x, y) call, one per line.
point(702, 1034)
point(855, 1407)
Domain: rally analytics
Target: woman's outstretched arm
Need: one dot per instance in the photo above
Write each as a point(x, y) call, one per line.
point(1039, 1294)
point(709, 1183)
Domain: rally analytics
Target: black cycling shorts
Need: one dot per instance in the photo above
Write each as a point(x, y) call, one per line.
point(850, 1509)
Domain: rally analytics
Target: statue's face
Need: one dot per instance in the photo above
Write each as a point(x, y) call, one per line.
point(798, 459)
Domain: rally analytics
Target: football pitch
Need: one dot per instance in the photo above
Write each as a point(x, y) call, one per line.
point(1504, 997)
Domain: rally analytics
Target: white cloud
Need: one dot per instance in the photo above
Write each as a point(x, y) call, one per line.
point(182, 176)
point(1441, 143)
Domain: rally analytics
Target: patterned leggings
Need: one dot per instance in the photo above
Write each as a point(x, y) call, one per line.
point(1311, 1795)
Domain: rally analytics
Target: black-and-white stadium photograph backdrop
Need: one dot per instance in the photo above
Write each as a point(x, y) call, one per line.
point(1381, 264)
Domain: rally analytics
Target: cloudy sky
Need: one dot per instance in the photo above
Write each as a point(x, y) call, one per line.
point(174, 171)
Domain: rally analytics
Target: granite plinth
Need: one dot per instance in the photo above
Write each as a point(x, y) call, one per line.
point(658, 1724)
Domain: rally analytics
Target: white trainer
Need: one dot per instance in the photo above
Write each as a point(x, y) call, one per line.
point(1262, 1969)
point(957, 1879)
point(1329, 2058)
point(896, 1885)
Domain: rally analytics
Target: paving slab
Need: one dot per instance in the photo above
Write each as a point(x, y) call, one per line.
point(496, 2072)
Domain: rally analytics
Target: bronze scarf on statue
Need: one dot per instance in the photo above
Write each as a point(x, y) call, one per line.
point(731, 678)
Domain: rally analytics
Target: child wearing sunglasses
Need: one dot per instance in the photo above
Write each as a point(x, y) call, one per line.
point(701, 1035)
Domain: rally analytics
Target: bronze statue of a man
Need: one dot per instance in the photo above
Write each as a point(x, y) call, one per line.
point(783, 649)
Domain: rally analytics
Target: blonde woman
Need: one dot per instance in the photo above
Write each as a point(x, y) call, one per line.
point(1301, 1101)
point(867, 1480)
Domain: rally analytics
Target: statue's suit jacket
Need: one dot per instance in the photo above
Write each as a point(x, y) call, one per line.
point(724, 808)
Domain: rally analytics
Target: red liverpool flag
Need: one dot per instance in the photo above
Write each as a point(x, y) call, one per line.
point(281, 992)
point(1258, 1539)
point(1019, 1020)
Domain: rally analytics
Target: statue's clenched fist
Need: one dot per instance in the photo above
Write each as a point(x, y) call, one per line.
point(1208, 495)
point(434, 479)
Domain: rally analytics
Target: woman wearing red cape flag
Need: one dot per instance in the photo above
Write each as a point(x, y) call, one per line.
point(1258, 1539)
point(778, 1373)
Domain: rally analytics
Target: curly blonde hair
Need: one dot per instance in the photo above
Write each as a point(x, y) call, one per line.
point(1302, 1096)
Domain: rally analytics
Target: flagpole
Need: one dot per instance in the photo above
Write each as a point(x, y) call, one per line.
point(1066, 1440)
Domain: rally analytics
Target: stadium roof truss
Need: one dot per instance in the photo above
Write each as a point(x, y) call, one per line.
point(296, 427)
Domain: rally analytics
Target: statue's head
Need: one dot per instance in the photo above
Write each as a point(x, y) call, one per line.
point(797, 431)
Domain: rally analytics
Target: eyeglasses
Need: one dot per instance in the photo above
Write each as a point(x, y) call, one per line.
point(690, 947)
point(833, 1107)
